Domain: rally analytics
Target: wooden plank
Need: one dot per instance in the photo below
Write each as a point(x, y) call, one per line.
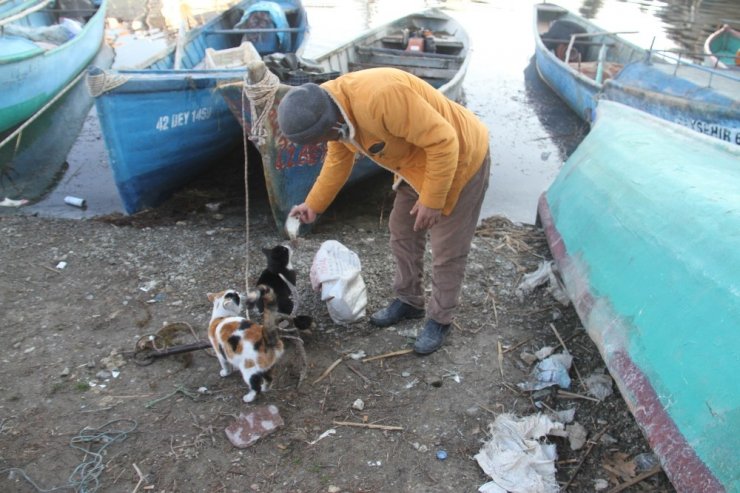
point(423, 72)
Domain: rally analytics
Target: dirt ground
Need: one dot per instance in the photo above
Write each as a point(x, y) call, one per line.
point(68, 380)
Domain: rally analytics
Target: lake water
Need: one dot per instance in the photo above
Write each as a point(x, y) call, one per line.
point(532, 131)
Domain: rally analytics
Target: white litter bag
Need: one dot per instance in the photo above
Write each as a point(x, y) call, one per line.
point(336, 271)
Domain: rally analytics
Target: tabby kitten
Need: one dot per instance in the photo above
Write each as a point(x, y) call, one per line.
point(241, 344)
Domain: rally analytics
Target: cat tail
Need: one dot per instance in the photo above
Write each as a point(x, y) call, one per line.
point(293, 294)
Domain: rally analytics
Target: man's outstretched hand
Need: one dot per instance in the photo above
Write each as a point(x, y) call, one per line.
point(304, 213)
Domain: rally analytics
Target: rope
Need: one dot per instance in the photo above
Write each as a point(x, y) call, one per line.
point(261, 94)
point(85, 477)
point(105, 81)
point(246, 191)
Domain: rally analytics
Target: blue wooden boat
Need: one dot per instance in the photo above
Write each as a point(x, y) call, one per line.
point(606, 66)
point(722, 48)
point(704, 99)
point(33, 156)
point(594, 56)
point(289, 169)
point(163, 124)
point(40, 54)
point(643, 222)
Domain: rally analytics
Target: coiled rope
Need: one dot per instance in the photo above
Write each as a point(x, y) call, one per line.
point(85, 477)
point(261, 95)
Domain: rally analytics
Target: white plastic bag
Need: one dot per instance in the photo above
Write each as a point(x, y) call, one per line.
point(336, 271)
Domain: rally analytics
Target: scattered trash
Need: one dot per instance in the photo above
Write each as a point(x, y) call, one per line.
point(619, 465)
point(248, 428)
point(148, 286)
point(213, 206)
point(576, 435)
point(358, 355)
point(421, 448)
point(607, 439)
point(6, 202)
point(646, 461)
point(565, 415)
point(550, 371)
point(600, 484)
point(75, 201)
point(61, 265)
point(453, 375)
point(374, 463)
point(336, 271)
point(528, 358)
point(411, 332)
point(544, 352)
point(441, 454)
point(103, 375)
point(358, 404)
point(515, 457)
point(599, 385)
point(202, 390)
point(330, 431)
point(411, 384)
point(546, 272)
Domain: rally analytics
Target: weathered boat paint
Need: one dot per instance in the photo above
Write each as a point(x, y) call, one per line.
point(163, 126)
point(644, 224)
point(30, 76)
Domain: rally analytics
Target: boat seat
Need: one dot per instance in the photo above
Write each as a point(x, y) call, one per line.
point(589, 69)
point(439, 41)
point(366, 50)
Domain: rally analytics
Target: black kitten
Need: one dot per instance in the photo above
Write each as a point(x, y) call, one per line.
point(278, 262)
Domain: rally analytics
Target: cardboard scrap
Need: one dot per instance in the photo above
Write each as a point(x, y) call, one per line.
point(248, 428)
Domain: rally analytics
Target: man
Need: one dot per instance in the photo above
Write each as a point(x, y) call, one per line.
point(438, 150)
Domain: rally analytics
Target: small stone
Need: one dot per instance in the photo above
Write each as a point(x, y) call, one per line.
point(103, 375)
point(358, 404)
point(65, 372)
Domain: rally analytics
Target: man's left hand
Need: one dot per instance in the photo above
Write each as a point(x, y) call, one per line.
point(426, 217)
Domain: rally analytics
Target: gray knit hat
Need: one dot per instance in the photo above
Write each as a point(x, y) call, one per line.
point(306, 113)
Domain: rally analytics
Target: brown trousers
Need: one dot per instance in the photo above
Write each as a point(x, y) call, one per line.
point(450, 240)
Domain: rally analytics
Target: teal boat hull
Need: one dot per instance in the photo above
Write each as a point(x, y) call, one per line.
point(33, 157)
point(30, 76)
point(644, 224)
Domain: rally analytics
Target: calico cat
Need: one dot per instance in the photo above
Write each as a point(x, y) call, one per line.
point(239, 343)
point(279, 270)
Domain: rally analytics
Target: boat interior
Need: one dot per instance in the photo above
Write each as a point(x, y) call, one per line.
point(597, 55)
point(601, 55)
point(233, 39)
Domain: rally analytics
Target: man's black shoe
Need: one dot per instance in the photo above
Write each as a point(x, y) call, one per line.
point(431, 337)
point(394, 313)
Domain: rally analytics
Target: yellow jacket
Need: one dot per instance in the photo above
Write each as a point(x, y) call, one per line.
point(406, 126)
